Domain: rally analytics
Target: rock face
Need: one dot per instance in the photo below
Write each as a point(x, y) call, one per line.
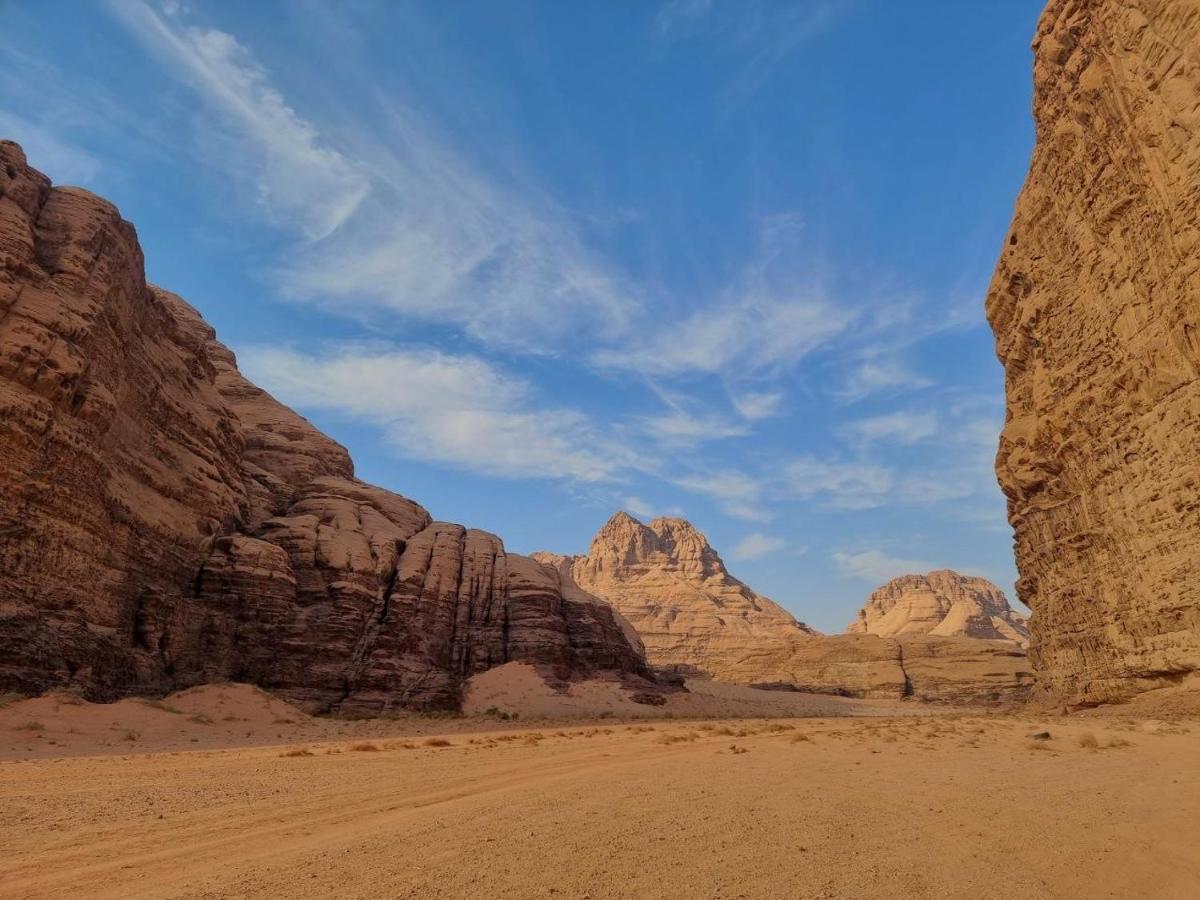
point(695, 617)
point(163, 522)
point(1094, 307)
point(943, 604)
point(672, 586)
point(921, 666)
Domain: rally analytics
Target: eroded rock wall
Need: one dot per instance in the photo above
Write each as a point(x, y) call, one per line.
point(1096, 309)
point(696, 618)
point(165, 522)
point(942, 603)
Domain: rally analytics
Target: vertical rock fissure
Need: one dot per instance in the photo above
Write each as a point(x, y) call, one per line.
point(907, 689)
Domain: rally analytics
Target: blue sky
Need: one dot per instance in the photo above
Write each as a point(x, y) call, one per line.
point(535, 262)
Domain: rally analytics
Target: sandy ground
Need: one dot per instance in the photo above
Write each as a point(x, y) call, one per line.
point(239, 715)
point(948, 805)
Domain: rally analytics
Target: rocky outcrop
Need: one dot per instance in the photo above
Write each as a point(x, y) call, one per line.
point(163, 522)
point(1094, 308)
point(943, 604)
point(696, 618)
point(672, 586)
point(923, 667)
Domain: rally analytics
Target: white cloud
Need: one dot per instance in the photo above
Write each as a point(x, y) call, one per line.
point(638, 506)
point(756, 545)
point(755, 405)
point(679, 427)
point(880, 374)
point(300, 179)
point(754, 333)
point(57, 157)
point(900, 427)
point(774, 314)
point(846, 484)
point(874, 565)
point(737, 493)
point(411, 225)
point(433, 406)
point(761, 36)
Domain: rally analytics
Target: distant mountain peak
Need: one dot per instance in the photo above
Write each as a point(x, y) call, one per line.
point(942, 603)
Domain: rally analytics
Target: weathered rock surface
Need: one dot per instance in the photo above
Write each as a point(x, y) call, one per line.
point(925, 667)
point(163, 522)
point(941, 603)
point(695, 617)
point(1094, 307)
point(672, 586)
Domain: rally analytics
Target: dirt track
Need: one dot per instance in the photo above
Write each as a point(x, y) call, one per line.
point(947, 807)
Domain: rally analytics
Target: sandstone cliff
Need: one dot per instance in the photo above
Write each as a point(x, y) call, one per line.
point(164, 522)
point(672, 586)
point(943, 604)
point(695, 617)
point(1094, 307)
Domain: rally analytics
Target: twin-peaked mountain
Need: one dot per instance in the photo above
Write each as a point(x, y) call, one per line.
point(164, 522)
point(695, 617)
point(672, 586)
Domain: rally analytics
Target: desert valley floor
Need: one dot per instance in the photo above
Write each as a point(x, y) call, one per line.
point(223, 791)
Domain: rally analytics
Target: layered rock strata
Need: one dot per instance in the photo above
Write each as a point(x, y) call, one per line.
point(164, 522)
point(941, 603)
point(1094, 305)
point(696, 618)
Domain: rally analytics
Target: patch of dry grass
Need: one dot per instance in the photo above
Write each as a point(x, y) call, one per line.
point(438, 742)
point(685, 738)
point(297, 751)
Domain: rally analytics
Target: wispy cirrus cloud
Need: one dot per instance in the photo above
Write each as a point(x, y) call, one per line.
point(737, 494)
point(300, 178)
point(774, 314)
point(760, 36)
point(398, 219)
point(57, 157)
point(458, 410)
point(899, 427)
point(878, 566)
point(756, 545)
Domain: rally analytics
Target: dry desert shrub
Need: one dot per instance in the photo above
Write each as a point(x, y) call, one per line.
point(1088, 741)
point(778, 727)
point(31, 726)
point(735, 749)
point(130, 736)
point(159, 704)
point(685, 738)
point(297, 751)
point(438, 742)
point(801, 738)
point(365, 747)
point(200, 719)
point(399, 745)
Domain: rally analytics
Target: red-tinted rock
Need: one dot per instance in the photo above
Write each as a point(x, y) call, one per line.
point(164, 522)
